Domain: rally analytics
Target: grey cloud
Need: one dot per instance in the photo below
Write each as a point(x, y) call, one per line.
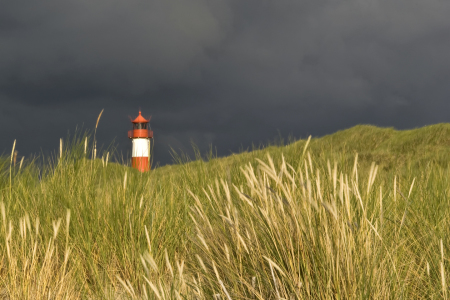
point(115, 46)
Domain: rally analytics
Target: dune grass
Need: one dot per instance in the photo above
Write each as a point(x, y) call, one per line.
point(359, 214)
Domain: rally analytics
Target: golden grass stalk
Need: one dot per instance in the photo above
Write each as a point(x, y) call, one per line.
point(224, 290)
point(95, 132)
point(443, 281)
point(169, 266)
point(60, 148)
point(21, 162)
point(98, 118)
point(10, 170)
point(12, 152)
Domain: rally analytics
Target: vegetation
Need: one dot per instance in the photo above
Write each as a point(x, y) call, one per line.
point(359, 214)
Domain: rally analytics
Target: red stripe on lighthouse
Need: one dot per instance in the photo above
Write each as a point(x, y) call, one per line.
point(140, 163)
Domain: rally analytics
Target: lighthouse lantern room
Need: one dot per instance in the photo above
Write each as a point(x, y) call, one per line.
point(140, 136)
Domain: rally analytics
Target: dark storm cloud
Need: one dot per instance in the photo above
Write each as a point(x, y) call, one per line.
point(87, 48)
point(222, 72)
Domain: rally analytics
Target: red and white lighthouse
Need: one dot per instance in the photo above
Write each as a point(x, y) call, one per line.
point(140, 136)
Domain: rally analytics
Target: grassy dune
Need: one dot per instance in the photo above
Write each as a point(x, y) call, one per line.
point(359, 214)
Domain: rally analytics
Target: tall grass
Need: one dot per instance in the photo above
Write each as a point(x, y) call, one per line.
point(362, 213)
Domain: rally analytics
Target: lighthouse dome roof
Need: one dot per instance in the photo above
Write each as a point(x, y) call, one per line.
point(140, 119)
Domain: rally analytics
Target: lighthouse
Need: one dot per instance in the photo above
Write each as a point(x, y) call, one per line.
point(140, 136)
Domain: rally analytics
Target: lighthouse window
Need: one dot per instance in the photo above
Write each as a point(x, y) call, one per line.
point(140, 126)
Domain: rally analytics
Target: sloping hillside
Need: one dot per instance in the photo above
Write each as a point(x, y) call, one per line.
point(391, 149)
point(361, 213)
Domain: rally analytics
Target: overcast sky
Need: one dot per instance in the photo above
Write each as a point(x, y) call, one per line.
point(226, 73)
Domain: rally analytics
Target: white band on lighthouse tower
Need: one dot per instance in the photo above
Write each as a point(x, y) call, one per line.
point(141, 147)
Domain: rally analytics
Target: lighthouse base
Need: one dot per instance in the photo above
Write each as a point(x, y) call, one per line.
point(140, 163)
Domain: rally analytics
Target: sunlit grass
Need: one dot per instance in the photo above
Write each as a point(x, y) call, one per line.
point(362, 213)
